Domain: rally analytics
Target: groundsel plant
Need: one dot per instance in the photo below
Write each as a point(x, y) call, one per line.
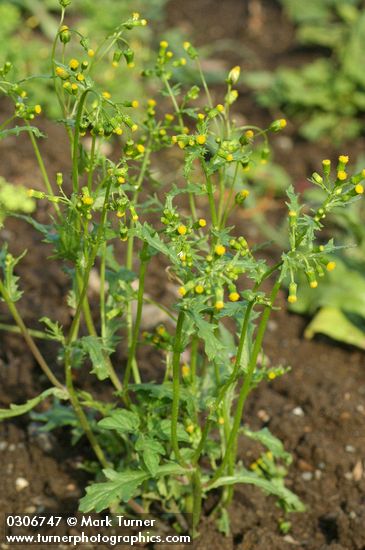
point(162, 446)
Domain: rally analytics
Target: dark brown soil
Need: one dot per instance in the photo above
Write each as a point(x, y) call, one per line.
point(318, 410)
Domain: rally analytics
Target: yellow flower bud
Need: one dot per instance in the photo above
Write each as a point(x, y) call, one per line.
point(90, 52)
point(229, 157)
point(190, 428)
point(331, 266)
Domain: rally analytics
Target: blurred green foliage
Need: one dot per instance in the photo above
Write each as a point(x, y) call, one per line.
point(325, 96)
point(28, 27)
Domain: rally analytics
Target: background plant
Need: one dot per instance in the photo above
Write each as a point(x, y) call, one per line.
point(326, 96)
point(162, 445)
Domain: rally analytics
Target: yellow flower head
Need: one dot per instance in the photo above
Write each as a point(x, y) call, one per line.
point(135, 103)
point(201, 116)
point(282, 123)
point(106, 95)
point(182, 291)
point(292, 299)
point(38, 109)
point(151, 103)
point(326, 162)
point(229, 157)
point(182, 229)
point(88, 201)
point(90, 52)
point(313, 284)
point(359, 189)
point(234, 296)
point(341, 175)
point(190, 428)
point(199, 289)
point(169, 117)
point(73, 64)
point(201, 139)
point(271, 375)
point(134, 128)
point(249, 134)
point(140, 148)
point(219, 304)
point(186, 45)
point(185, 370)
point(221, 420)
point(343, 159)
point(220, 108)
point(61, 72)
point(219, 249)
point(80, 77)
point(164, 44)
point(331, 266)
point(202, 222)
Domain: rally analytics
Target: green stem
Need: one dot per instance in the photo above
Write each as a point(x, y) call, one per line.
point(42, 167)
point(137, 323)
point(197, 500)
point(28, 338)
point(246, 386)
point(34, 333)
point(80, 413)
point(102, 291)
point(176, 386)
point(76, 141)
point(174, 102)
point(213, 211)
point(91, 168)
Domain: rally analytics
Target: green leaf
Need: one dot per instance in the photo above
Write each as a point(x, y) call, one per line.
point(54, 330)
point(151, 451)
point(122, 421)
point(271, 442)
point(206, 331)
point(121, 486)
point(165, 431)
point(17, 129)
point(148, 234)
point(333, 322)
point(17, 410)
point(274, 487)
point(97, 351)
